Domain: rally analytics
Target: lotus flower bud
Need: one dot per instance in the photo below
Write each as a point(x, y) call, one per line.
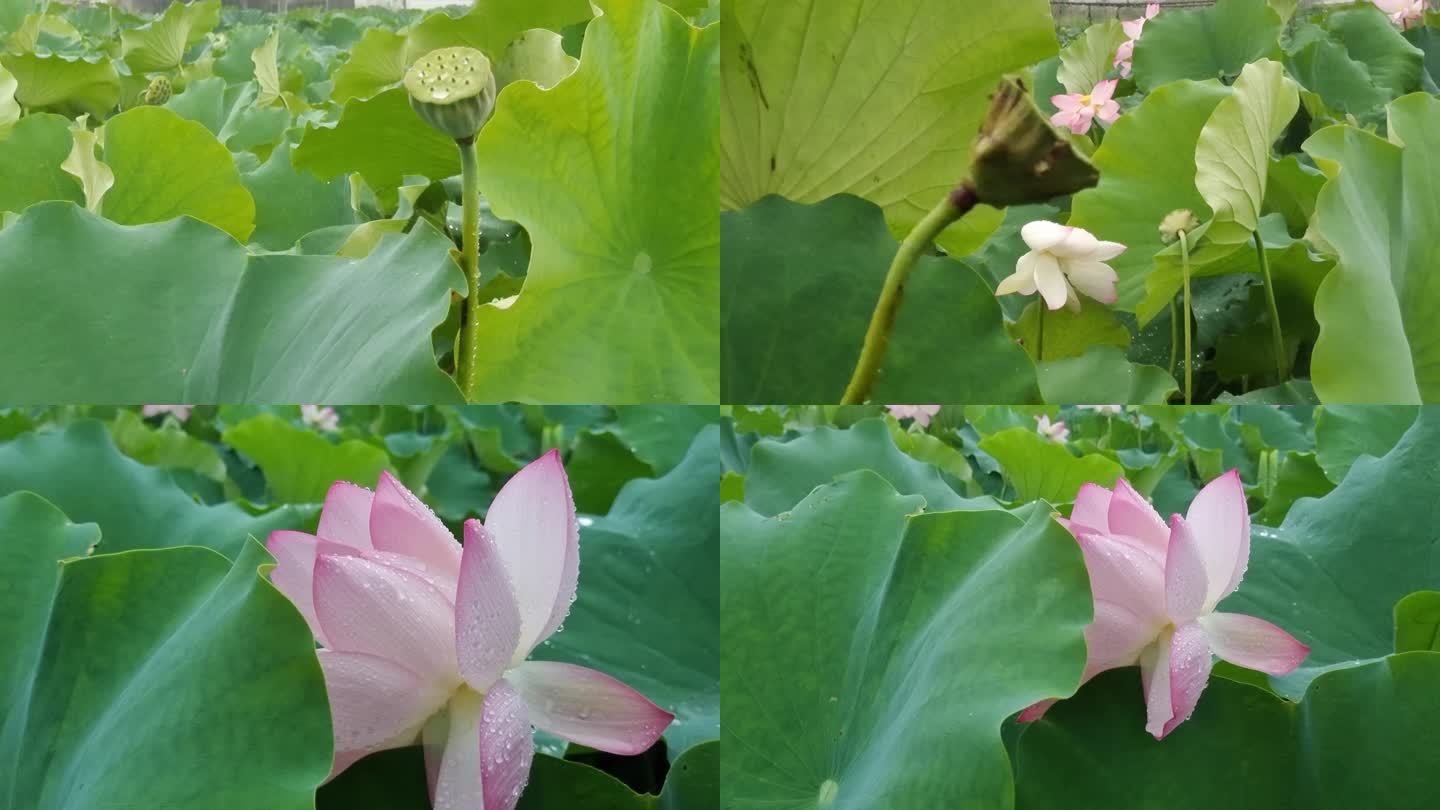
point(158, 92)
point(1175, 222)
point(453, 90)
point(1019, 158)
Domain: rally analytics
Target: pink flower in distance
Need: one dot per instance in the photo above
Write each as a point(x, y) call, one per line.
point(423, 640)
point(920, 413)
point(1156, 587)
point(1124, 57)
point(1404, 13)
point(320, 417)
point(180, 412)
point(1078, 111)
point(1133, 29)
point(1054, 431)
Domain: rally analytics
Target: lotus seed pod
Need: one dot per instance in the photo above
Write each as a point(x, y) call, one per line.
point(158, 92)
point(1176, 221)
point(453, 90)
point(1019, 158)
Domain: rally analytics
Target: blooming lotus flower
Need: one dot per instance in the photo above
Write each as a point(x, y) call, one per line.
point(1062, 259)
point(423, 640)
point(1133, 29)
point(1156, 588)
point(1404, 13)
point(320, 417)
point(920, 413)
point(1077, 111)
point(180, 412)
point(1054, 431)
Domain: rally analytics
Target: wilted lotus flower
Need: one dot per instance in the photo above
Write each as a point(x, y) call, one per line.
point(1156, 588)
point(180, 412)
point(1079, 110)
point(422, 640)
point(920, 413)
point(1054, 431)
point(1404, 13)
point(453, 89)
point(1061, 260)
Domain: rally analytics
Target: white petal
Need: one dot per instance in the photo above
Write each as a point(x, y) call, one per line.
point(1042, 235)
point(1095, 279)
point(1050, 281)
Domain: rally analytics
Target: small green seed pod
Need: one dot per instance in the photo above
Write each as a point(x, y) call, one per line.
point(158, 92)
point(453, 90)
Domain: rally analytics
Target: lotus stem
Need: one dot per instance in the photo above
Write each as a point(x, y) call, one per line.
point(467, 365)
point(1189, 351)
point(1040, 332)
point(1275, 334)
point(955, 205)
point(1174, 335)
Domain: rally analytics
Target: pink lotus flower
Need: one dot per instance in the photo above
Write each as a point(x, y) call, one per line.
point(1133, 29)
point(1054, 431)
point(1404, 13)
point(320, 417)
point(1156, 588)
point(920, 413)
point(180, 412)
point(422, 640)
point(1061, 259)
point(1078, 111)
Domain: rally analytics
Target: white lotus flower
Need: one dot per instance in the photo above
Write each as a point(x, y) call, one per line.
point(1062, 260)
point(1404, 13)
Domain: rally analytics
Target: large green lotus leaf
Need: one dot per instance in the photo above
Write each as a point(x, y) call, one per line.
point(69, 86)
point(1206, 43)
point(1291, 191)
point(1067, 333)
point(299, 464)
point(81, 472)
point(382, 140)
point(232, 114)
point(376, 62)
point(1344, 433)
point(884, 646)
point(800, 283)
point(491, 25)
point(1103, 376)
point(1089, 58)
point(610, 173)
point(1360, 738)
point(1379, 341)
point(1147, 170)
point(12, 13)
point(161, 43)
point(167, 445)
point(1041, 469)
point(290, 203)
point(1369, 37)
point(1357, 62)
point(1417, 622)
point(30, 159)
point(661, 435)
point(9, 107)
point(164, 678)
point(819, 101)
point(781, 473)
point(557, 784)
point(167, 167)
point(1232, 155)
point(1333, 571)
point(178, 312)
point(649, 607)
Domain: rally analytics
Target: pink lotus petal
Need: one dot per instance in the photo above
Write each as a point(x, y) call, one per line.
point(1109, 112)
point(452, 754)
point(589, 707)
point(1190, 665)
point(1133, 516)
point(507, 747)
point(1185, 580)
point(366, 606)
point(533, 521)
point(1035, 711)
point(346, 515)
point(401, 523)
point(1067, 103)
point(1092, 508)
point(487, 619)
point(1155, 677)
point(1125, 574)
point(294, 573)
point(1116, 638)
point(1220, 519)
point(1133, 28)
point(1103, 92)
point(375, 704)
point(1253, 643)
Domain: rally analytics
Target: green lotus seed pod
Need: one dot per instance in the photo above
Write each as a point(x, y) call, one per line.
point(158, 92)
point(453, 90)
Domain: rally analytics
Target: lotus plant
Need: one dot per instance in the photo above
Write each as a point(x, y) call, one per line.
point(422, 639)
point(922, 414)
point(1156, 587)
point(1054, 431)
point(1077, 111)
point(1133, 29)
point(453, 90)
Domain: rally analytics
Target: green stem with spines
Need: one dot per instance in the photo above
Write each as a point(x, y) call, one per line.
point(956, 204)
point(467, 364)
